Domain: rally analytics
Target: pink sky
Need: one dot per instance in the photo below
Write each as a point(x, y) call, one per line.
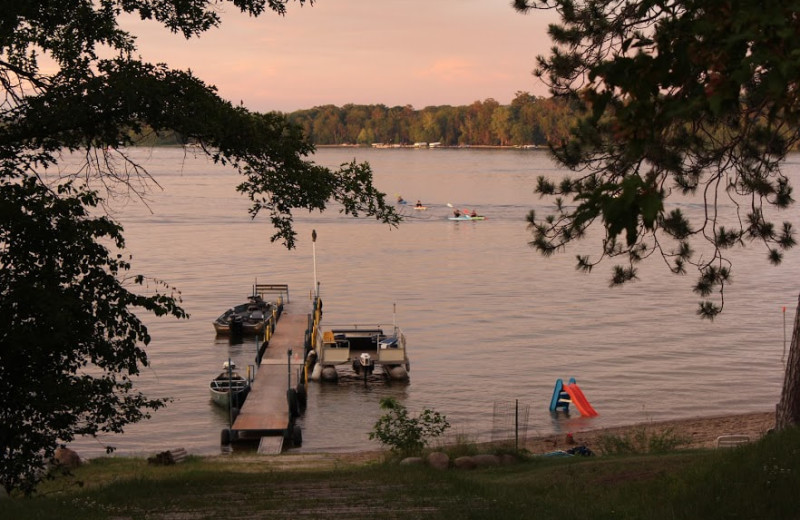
point(393, 52)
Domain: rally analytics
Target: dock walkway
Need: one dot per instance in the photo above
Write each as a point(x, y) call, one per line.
point(266, 411)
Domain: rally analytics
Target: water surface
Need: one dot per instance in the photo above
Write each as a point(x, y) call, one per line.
point(488, 320)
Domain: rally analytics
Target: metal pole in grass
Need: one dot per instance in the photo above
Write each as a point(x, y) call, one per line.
point(516, 424)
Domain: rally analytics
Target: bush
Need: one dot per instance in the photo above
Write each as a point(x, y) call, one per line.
point(404, 435)
point(641, 440)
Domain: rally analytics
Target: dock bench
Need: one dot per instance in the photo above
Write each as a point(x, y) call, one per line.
point(262, 289)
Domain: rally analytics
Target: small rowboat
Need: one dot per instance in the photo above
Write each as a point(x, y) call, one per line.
point(229, 388)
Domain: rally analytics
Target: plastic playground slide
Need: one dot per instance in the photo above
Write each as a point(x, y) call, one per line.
point(579, 400)
point(555, 402)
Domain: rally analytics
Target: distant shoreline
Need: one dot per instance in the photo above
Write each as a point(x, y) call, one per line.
point(534, 148)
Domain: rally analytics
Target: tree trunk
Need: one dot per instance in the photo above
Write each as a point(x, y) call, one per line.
point(787, 412)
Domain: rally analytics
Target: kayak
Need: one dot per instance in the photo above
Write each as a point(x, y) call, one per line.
point(467, 217)
point(421, 208)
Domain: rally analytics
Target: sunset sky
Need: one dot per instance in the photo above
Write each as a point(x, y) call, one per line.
point(393, 52)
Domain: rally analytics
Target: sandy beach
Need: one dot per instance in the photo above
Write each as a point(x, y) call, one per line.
point(697, 432)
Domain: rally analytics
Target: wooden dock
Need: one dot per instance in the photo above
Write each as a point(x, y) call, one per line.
point(267, 411)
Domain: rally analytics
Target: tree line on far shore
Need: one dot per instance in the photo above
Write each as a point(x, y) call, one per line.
point(528, 120)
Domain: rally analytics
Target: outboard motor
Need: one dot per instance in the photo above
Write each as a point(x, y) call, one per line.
point(237, 326)
point(364, 364)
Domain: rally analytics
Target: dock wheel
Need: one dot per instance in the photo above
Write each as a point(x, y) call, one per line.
point(302, 396)
point(294, 406)
point(297, 436)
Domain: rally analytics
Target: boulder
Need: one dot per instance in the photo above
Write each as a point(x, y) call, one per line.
point(411, 461)
point(66, 458)
point(507, 459)
point(485, 460)
point(439, 460)
point(464, 463)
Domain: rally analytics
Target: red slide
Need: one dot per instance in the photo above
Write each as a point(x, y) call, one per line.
point(579, 400)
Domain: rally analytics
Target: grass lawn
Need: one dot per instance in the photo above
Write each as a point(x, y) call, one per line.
point(758, 481)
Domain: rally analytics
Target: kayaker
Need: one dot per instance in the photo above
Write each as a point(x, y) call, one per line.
point(456, 213)
point(473, 214)
point(419, 204)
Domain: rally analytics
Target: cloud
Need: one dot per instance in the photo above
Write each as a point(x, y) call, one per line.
point(449, 69)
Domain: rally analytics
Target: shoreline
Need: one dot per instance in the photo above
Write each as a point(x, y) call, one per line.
point(697, 432)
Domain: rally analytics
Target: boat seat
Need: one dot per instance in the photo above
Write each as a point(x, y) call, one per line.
point(389, 343)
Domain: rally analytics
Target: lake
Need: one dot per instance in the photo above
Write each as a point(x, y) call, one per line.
point(489, 321)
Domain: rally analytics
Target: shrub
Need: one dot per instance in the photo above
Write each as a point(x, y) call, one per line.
point(406, 435)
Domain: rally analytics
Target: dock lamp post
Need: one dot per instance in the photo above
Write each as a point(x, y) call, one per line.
point(314, 254)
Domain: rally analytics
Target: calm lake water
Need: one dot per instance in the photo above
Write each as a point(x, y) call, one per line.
point(488, 319)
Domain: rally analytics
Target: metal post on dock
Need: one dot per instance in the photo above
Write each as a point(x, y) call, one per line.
point(289, 366)
point(230, 394)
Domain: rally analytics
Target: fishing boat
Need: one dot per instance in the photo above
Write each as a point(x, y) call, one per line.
point(468, 217)
point(229, 388)
point(364, 349)
point(247, 319)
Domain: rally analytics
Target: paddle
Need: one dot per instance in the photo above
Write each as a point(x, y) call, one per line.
point(464, 212)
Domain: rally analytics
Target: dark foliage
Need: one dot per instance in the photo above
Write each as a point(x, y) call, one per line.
point(70, 341)
point(678, 97)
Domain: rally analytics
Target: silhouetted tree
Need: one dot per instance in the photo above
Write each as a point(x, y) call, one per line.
point(70, 343)
point(676, 97)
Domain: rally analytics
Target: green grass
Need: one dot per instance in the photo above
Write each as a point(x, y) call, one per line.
point(753, 482)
